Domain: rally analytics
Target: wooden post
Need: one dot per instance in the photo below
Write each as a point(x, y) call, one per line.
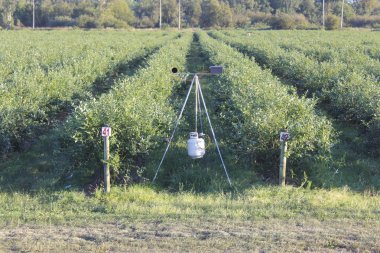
point(284, 136)
point(106, 133)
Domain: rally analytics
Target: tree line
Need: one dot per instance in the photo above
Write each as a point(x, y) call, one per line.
point(282, 14)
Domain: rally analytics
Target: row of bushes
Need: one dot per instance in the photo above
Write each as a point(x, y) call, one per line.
point(30, 100)
point(299, 21)
point(284, 21)
point(357, 56)
point(332, 22)
point(281, 21)
point(87, 21)
point(359, 50)
point(257, 107)
point(23, 53)
point(138, 109)
point(365, 21)
point(326, 79)
point(350, 93)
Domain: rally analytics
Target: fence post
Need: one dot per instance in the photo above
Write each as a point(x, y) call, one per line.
point(284, 137)
point(106, 133)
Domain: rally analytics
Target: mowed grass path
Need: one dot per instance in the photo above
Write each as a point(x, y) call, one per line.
point(141, 218)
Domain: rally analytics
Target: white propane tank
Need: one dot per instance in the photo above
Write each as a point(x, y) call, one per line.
point(195, 146)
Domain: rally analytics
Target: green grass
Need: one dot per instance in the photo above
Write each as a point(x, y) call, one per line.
point(350, 163)
point(144, 219)
point(145, 202)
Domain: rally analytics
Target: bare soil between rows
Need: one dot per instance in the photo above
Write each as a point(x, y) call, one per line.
point(270, 235)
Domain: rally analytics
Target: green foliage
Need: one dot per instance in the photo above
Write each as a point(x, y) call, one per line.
point(170, 12)
point(365, 21)
point(192, 10)
point(348, 12)
point(117, 15)
point(204, 13)
point(356, 97)
point(373, 139)
point(210, 13)
point(86, 21)
point(287, 6)
point(108, 20)
point(257, 107)
point(139, 111)
point(308, 8)
point(261, 17)
point(37, 90)
point(343, 78)
point(332, 22)
point(62, 21)
point(225, 16)
point(365, 7)
point(283, 21)
point(321, 69)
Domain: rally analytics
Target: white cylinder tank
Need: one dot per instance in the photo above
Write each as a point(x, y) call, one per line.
point(195, 146)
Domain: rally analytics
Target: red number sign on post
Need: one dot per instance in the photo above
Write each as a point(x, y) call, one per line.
point(106, 131)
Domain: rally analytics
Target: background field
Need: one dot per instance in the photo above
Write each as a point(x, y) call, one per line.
point(58, 88)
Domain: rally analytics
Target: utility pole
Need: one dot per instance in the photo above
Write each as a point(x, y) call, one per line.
point(323, 13)
point(341, 18)
point(179, 14)
point(34, 14)
point(160, 13)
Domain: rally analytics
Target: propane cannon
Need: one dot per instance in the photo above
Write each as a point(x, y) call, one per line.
point(196, 147)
